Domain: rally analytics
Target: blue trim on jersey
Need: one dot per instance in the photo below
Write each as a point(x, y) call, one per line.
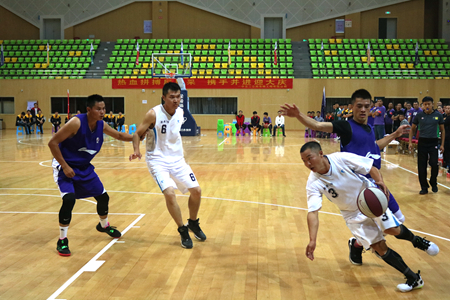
point(156, 136)
point(159, 185)
point(395, 220)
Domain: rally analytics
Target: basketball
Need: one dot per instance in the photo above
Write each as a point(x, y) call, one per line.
point(372, 202)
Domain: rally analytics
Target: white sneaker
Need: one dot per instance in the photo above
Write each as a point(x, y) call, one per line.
point(423, 244)
point(411, 284)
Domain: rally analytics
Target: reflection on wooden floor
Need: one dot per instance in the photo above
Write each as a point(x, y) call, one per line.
point(253, 213)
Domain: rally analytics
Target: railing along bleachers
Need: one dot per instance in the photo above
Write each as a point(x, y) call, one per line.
point(27, 59)
point(390, 58)
point(250, 58)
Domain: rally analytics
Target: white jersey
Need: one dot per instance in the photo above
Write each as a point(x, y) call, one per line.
point(164, 144)
point(341, 184)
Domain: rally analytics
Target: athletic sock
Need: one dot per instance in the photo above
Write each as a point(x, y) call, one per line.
point(104, 222)
point(405, 234)
point(63, 232)
point(394, 259)
point(399, 215)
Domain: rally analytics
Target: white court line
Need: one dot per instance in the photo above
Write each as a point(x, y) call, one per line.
point(223, 141)
point(74, 213)
point(82, 199)
point(226, 199)
point(93, 264)
point(413, 172)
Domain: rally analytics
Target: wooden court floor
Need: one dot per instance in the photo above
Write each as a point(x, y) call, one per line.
point(253, 213)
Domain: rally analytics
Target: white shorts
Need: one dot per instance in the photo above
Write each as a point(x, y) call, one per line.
point(370, 231)
point(178, 176)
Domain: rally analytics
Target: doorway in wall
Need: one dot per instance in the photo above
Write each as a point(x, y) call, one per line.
point(387, 28)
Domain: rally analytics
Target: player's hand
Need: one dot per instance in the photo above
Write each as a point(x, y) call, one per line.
point(290, 111)
point(410, 147)
point(402, 130)
point(135, 155)
point(383, 187)
point(68, 171)
point(310, 250)
point(441, 149)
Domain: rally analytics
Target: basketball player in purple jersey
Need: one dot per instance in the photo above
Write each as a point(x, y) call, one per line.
point(73, 147)
point(356, 137)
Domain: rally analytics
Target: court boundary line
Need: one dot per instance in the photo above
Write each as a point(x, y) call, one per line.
point(230, 200)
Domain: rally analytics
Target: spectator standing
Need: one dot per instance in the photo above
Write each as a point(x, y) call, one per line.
point(388, 118)
point(395, 116)
point(378, 122)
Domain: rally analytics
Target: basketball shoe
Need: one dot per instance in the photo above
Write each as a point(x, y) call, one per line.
point(411, 284)
point(194, 226)
point(110, 230)
point(62, 246)
point(423, 244)
point(355, 255)
point(186, 241)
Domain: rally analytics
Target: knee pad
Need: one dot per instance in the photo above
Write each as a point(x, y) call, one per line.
point(102, 204)
point(65, 213)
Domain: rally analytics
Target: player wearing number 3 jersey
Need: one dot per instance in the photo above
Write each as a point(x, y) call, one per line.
point(165, 160)
point(339, 176)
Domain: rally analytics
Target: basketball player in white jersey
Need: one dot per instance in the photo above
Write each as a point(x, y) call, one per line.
point(165, 160)
point(339, 176)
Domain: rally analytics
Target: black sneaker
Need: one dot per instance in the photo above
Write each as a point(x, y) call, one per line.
point(355, 255)
point(423, 244)
point(62, 246)
point(110, 230)
point(423, 191)
point(434, 189)
point(194, 226)
point(411, 284)
point(186, 241)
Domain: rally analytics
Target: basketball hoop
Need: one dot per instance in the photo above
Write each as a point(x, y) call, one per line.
point(169, 75)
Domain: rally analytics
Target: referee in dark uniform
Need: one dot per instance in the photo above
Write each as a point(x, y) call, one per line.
point(429, 122)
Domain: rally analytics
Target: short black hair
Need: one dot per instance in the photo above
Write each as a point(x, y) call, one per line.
point(408, 102)
point(92, 99)
point(361, 93)
point(240, 111)
point(318, 111)
point(422, 100)
point(173, 86)
point(401, 113)
point(314, 146)
point(266, 114)
point(427, 99)
point(255, 113)
point(22, 113)
point(336, 103)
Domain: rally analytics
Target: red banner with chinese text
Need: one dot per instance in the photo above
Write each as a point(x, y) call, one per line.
point(203, 83)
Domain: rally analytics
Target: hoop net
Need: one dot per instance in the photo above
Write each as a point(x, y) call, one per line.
point(169, 75)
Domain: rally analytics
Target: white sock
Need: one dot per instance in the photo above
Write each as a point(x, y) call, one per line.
point(399, 215)
point(63, 232)
point(104, 222)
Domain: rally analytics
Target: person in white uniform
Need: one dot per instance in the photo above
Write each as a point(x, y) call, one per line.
point(165, 160)
point(339, 176)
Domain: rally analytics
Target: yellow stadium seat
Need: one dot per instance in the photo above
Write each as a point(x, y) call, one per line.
point(14, 59)
point(388, 46)
point(232, 52)
point(65, 77)
point(145, 65)
point(37, 65)
point(170, 51)
point(261, 65)
point(238, 71)
point(205, 47)
point(239, 52)
point(58, 77)
point(364, 58)
point(231, 71)
point(327, 52)
point(253, 65)
point(71, 53)
point(209, 72)
point(194, 72)
point(196, 58)
point(136, 72)
point(268, 71)
point(1, 42)
point(42, 47)
point(246, 59)
point(338, 41)
point(143, 71)
point(212, 47)
point(7, 59)
point(217, 65)
point(253, 58)
point(201, 72)
point(372, 59)
point(210, 58)
point(224, 65)
point(260, 72)
point(78, 53)
point(133, 77)
point(44, 66)
point(403, 66)
point(426, 52)
point(203, 58)
point(161, 58)
point(198, 47)
point(434, 52)
point(176, 51)
point(334, 52)
point(332, 41)
point(396, 46)
point(410, 66)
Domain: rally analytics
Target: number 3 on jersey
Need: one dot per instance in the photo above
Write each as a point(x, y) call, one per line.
point(163, 128)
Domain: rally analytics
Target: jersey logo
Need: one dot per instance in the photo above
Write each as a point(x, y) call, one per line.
point(91, 152)
point(373, 156)
point(342, 171)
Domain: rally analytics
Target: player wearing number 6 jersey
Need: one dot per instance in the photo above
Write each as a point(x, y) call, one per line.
point(165, 160)
point(339, 176)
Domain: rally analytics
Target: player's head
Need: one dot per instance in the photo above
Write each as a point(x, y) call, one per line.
point(350, 106)
point(241, 112)
point(120, 113)
point(279, 113)
point(439, 109)
point(345, 105)
point(171, 96)
point(312, 156)
point(408, 105)
point(390, 105)
point(362, 101)
point(78, 112)
point(380, 102)
point(447, 109)
point(255, 113)
point(398, 106)
point(95, 106)
point(401, 116)
point(266, 114)
point(110, 112)
point(56, 113)
point(36, 105)
point(22, 113)
point(39, 111)
point(427, 104)
point(416, 103)
point(318, 113)
point(28, 112)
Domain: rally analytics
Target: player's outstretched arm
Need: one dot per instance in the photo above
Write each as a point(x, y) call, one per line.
point(389, 138)
point(376, 175)
point(67, 131)
point(292, 111)
point(121, 136)
point(148, 122)
point(313, 226)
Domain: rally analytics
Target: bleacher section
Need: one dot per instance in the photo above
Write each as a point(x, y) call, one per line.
point(250, 58)
point(390, 58)
point(27, 59)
